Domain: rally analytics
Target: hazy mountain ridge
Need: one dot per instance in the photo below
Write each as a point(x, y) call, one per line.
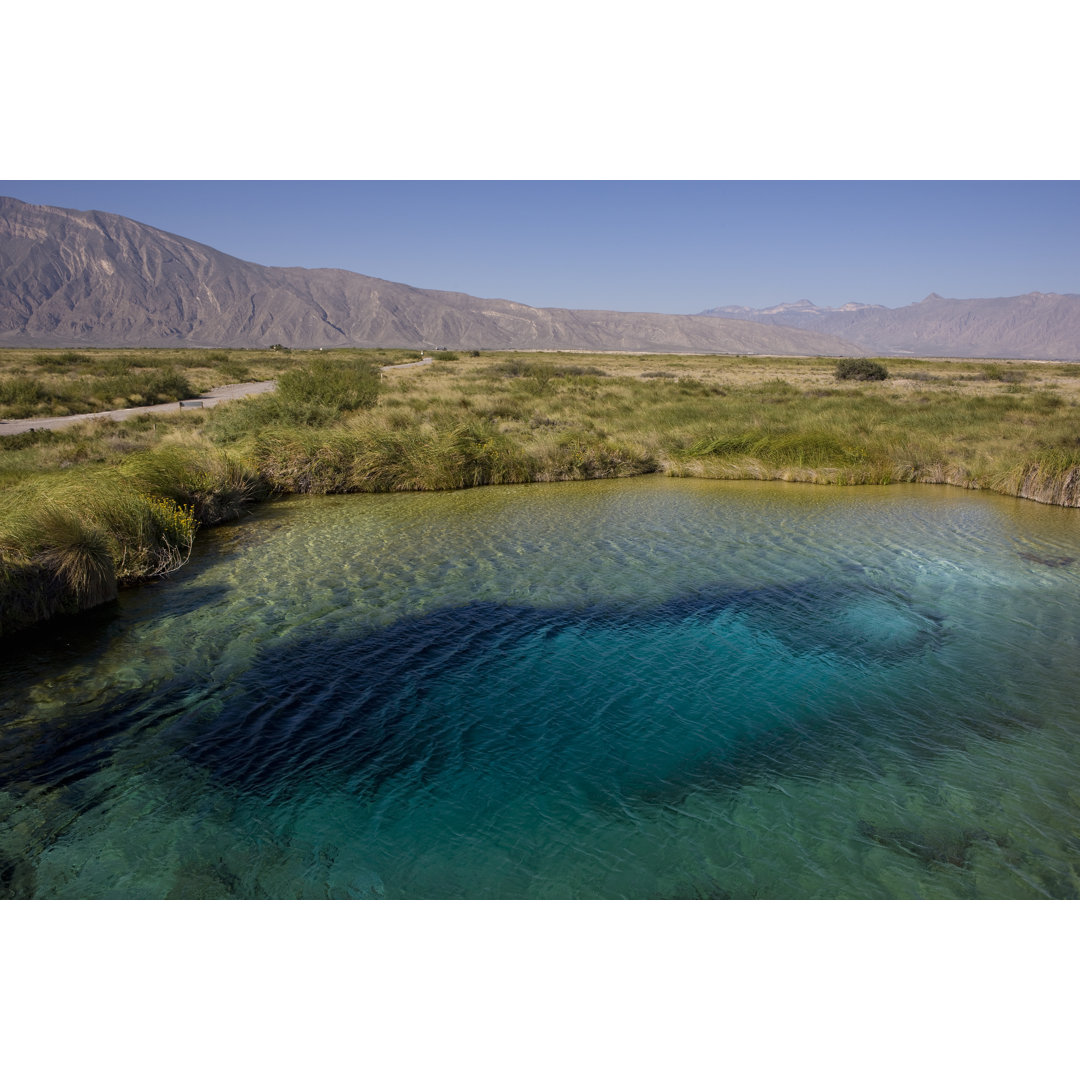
point(799, 307)
point(72, 277)
point(1035, 326)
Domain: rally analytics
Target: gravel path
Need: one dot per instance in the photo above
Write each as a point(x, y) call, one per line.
point(203, 401)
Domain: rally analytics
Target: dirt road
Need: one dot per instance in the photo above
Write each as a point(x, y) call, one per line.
point(203, 401)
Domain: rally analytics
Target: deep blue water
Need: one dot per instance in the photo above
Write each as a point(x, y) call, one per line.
point(645, 689)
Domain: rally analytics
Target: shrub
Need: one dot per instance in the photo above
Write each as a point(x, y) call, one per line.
point(578, 370)
point(22, 393)
point(326, 386)
point(58, 361)
point(315, 395)
point(158, 386)
point(233, 369)
point(167, 385)
point(861, 369)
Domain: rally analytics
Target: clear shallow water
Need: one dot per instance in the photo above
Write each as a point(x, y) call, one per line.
point(641, 688)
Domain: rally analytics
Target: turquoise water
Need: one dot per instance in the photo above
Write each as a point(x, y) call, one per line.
point(643, 688)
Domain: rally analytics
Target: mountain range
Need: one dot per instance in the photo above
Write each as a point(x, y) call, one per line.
point(1036, 326)
point(70, 277)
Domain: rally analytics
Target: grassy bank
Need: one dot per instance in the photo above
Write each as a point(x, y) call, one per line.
point(79, 504)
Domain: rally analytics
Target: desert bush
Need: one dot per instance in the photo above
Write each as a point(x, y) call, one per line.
point(232, 421)
point(58, 361)
point(999, 373)
point(23, 394)
point(233, 369)
point(513, 366)
point(327, 387)
point(542, 371)
point(860, 369)
point(166, 385)
point(315, 395)
point(110, 367)
point(156, 386)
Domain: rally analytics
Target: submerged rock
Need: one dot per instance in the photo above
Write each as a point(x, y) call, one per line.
point(1048, 560)
point(929, 846)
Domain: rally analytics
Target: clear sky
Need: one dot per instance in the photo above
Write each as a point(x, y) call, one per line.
point(671, 246)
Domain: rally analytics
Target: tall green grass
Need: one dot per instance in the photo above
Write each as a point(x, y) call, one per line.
point(214, 483)
point(67, 543)
point(317, 394)
point(378, 456)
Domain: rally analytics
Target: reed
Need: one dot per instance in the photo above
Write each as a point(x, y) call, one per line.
point(214, 483)
point(74, 552)
point(68, 543)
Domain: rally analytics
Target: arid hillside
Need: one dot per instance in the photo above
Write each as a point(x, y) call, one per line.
point(72, 277)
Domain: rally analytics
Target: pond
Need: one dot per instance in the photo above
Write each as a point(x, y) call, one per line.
point(646, 688)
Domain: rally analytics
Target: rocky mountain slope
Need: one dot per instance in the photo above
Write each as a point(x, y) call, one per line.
point(70, 277)
point(1037, 326)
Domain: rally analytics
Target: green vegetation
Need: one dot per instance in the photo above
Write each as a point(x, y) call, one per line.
point(313, 395)
point(67, 543)
point(102, 504)
point(68, 383)
point(861, 370)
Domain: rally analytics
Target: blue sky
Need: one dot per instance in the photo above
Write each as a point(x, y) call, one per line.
point(673, 246)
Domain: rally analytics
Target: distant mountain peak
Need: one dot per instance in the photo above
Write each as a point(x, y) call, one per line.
point(797, 307)
point(1036, 326)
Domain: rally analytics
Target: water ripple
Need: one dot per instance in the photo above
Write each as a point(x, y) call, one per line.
point(643, 688)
